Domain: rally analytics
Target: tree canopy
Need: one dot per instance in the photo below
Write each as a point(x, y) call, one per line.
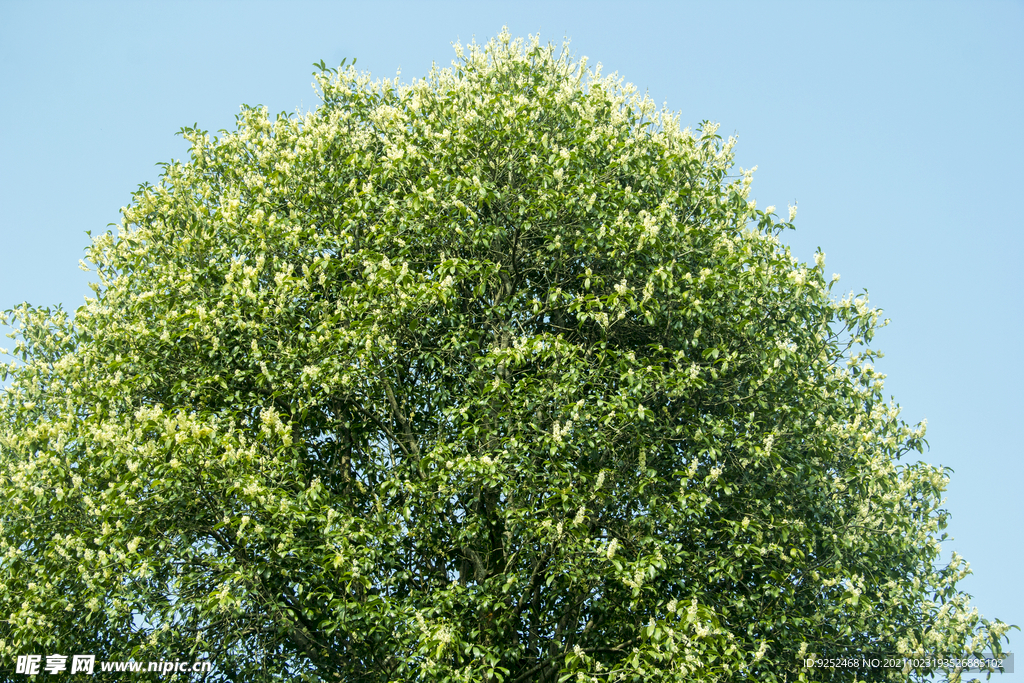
point(495, 376)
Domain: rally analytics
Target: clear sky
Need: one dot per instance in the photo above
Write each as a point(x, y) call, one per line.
point(896, 126)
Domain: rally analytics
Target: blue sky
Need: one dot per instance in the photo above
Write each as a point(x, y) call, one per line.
point(896, 126)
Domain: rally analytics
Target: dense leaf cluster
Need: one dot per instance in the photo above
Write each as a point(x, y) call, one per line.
point(498, 376)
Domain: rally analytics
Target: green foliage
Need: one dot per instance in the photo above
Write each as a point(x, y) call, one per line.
point(498, 376)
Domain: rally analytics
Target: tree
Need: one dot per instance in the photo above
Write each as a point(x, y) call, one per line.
point(497, 376)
